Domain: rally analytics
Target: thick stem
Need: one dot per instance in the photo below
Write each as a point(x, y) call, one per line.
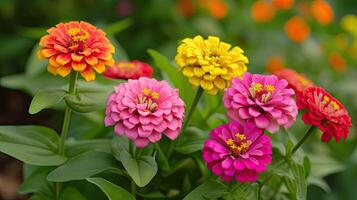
point(193, 107)
point(307, 135)
point(65, 126)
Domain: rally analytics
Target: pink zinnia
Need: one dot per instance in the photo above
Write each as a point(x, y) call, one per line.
point(262, 99)
point(144, 109)
point(235, 150)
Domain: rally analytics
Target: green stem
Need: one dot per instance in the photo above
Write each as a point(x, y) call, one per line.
point(177, 167)
point(159, 150)
point(193, 107)
point(138, 152)
point(65, 126)
point(307, 135)
point(133, 188)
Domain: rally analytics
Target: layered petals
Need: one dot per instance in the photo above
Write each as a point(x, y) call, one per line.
point(76, 45)
point(145, 109)
point(236, 151)
point(298, 82)
point(129, 70)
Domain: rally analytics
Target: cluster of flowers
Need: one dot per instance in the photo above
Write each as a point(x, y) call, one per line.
point(296, 27)
point(143, 109)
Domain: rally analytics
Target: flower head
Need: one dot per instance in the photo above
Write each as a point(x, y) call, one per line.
point(210, 64)
point(297, 29)
point(237, 151)
point(337, 62)
point(262, 11)
point(325, 112)
point(261, 99)
point(283, 4)
point(322, 11)
point(129, 70)
point(217, 8)
point(298, 82)
point(144, 109)
point(76, 45)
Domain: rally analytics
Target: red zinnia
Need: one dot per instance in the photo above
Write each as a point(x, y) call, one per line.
point(298, 82)
point(325, 112)
point(129, 70)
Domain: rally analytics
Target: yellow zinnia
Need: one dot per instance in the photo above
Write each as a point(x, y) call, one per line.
point(210, 64)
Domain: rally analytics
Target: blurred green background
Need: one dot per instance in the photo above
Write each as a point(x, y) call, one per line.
point(328, 57)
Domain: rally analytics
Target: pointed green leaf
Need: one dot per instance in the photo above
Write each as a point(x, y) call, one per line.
point(36, 145)
point(37, 182)
point(209, 189)
point(83, 166)
point(113, 192)
point(46, 98)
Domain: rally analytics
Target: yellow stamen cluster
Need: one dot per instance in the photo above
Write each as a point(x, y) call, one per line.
point(331, 104)
point(256, 91)
point(269, 88)
point(240, 146)
point(152, 94)
point(210, 64)
point(78, 35)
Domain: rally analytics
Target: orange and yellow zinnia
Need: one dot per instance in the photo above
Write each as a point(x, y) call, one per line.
point(322, 11)
point(77, 46)
point(297, 29)
point(262, 11)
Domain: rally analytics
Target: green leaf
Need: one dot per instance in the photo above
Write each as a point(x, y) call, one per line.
point(118, 26)
point(244, 191)
point(176, 77)
point(71, 193)
point(209, 189)
point(74, 148)
point(152, 195)
point(37, 182)
point(142, 170)
point(192, 140)
point(289, 149)
point(90, 97)
point(307, 166)
point(161, 159)
point(297, 186)
point(323, 165)
point(319, 182)
point(83, 166)
point(46, 98)
point(36, 145)
point(34, 65)
point(113, 192)
point(120, 54)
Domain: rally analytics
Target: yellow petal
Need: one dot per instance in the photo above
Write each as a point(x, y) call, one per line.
point(100, 67)
point(213, 91)
point(79, 66)
point(64, 70)
point(188, 71)
point(109, 62)
point(76, 57)
point(53, 62)
point(39, 55)
point(52, 69)
point(220, 83)
point(198, 72)
point(206, 85)
point(88, 74)
point(195, 81)
point(63, 59)
point(91, 60)
point(48, 52)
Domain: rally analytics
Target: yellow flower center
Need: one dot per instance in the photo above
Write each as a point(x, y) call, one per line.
point(78, 35)
point(330, 104)
point(240, 145)
point(148, 98)
point(261, 91)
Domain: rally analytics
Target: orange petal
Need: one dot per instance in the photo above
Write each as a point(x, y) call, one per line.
point(79, 66)
point(76, 57)
point(53, 62)
point(100, 67)
point(110, 62)
point(60, 48)
point(48, 52)
point(63, 59)
point(39, 55)
point(64, 70)
point(52, 69)
point(105, 56)
point(88, 74)
point(86, 52)
point(91, 60)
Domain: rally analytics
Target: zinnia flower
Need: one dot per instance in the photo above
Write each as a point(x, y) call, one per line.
point(76, 45)
point(325, 112)
point(144, 109)
point(262, 11)
point(237, 151)
point(297, 29)
point(274, 63)
point(322, 11)
point(337, 62)
point(210, 64)
point(298, 82)
point(129, 70)
point(217, 8)
point(261, 99)
point(283, 4)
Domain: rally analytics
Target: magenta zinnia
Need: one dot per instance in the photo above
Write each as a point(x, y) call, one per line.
point(262, 99)
point(237, 151)
point(144, 109)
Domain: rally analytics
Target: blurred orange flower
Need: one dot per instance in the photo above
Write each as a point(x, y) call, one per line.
point(262, 11)
point(322, 11)
point(217, 8)
point(297, 29)
point(337, 62)
point(283, 4)
point(186, 7)
point(274, 63)
point(77, 46)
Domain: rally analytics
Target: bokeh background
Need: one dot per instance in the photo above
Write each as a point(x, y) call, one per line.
point(314, 37)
